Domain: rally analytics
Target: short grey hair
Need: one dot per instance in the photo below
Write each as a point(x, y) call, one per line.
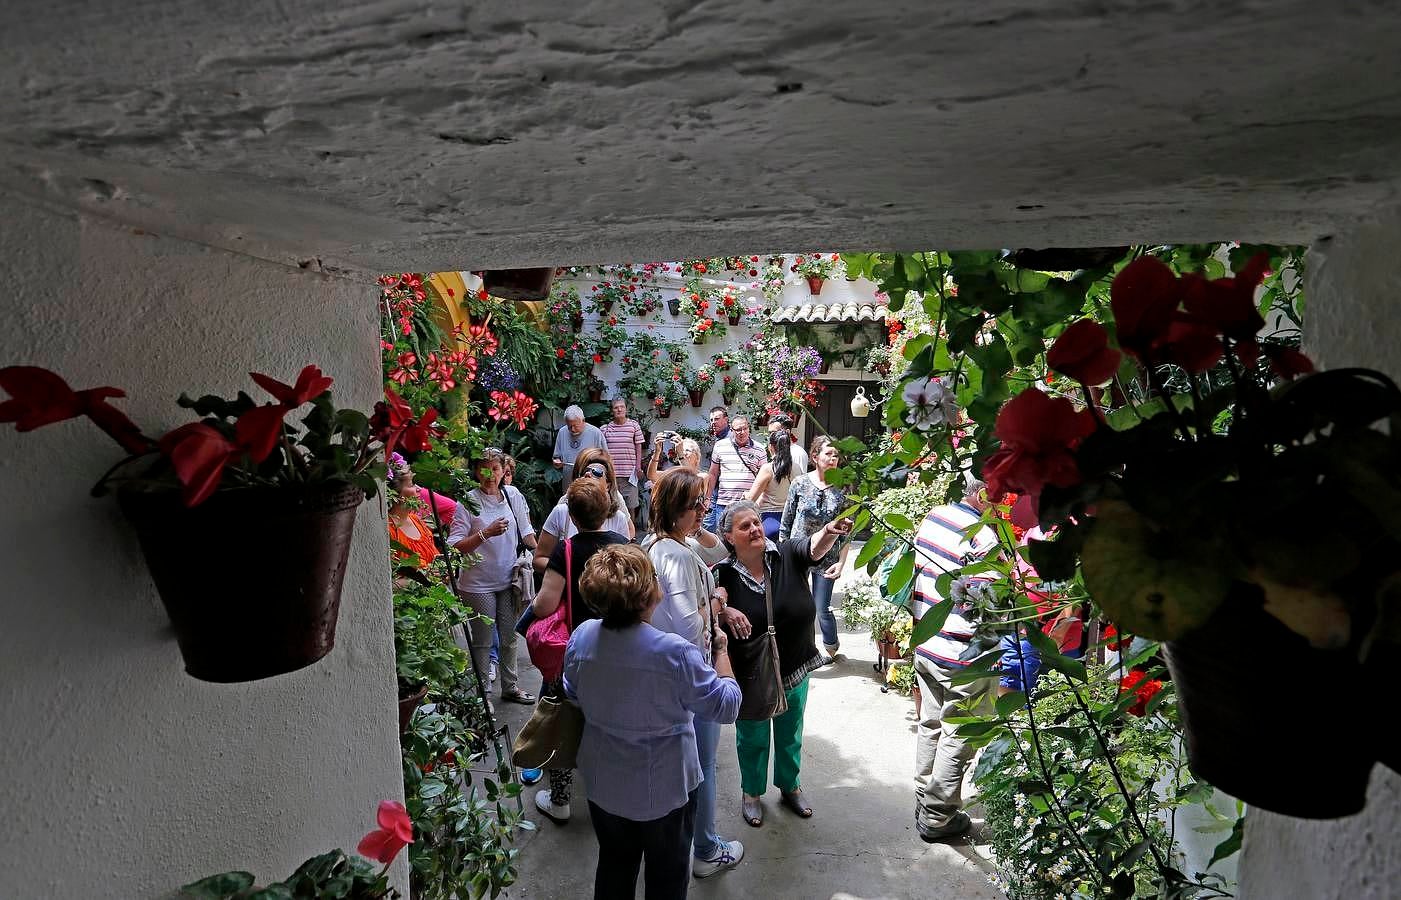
point(573, 412)
point(727, 518)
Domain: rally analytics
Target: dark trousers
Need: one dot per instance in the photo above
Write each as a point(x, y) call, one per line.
point(623, 845)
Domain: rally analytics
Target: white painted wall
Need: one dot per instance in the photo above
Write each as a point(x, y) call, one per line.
point(1353, 320)
point(124, 777)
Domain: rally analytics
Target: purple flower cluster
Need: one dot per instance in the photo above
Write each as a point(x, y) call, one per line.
point(498, 375)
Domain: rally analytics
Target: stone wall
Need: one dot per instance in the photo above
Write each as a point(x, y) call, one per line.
point(123, 776)
point(1353, 320)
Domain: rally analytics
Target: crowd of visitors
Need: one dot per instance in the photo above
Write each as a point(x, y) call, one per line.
point(654, 614)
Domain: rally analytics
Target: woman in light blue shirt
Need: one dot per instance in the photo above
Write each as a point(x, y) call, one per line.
point(640, 690)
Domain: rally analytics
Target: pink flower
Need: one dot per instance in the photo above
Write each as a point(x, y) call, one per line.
point(395, 832)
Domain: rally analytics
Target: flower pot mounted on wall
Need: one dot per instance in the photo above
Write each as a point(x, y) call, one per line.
point(251, 578)
point(823, 366)
point(519, 284)
point(697, 397)
point(1246, 742)
point(407, 705)
point(673, 306)
point(815, 283)
point(595, 395)
point(849, 333)
point(734, 319)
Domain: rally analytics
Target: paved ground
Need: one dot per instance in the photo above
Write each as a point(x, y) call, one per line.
point(857, 755)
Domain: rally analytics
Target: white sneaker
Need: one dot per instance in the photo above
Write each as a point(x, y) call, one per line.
point(727, 857)
point(559, 814)
point(491, 672)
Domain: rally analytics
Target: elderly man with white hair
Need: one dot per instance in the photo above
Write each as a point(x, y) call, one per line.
point(574, 437)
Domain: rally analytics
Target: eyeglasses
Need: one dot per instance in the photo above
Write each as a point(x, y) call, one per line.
point(702, 502)
point(594, 470)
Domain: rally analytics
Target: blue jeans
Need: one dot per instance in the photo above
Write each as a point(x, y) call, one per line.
point(772, 522)
point(712, 517)
point(707, 743)
point(822, 597)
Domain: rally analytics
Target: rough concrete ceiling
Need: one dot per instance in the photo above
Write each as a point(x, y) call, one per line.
point(378, 135)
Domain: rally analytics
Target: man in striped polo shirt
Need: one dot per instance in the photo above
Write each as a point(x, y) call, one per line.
point(623, 438)
point(941, 756)
point(734, 462)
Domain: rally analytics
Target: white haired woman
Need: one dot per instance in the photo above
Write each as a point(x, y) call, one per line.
point(757, 567)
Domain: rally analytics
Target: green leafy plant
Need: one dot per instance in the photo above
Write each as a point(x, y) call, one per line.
point(424, 650)
point(332, 874)
point(817, 265)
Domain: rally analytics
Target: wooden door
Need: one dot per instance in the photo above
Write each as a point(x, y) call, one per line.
point(833, 412)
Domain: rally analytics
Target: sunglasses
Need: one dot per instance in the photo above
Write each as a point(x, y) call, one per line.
point(595, 471)
point(702, 502)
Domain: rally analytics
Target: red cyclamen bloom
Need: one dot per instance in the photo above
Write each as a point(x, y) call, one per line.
point(198, 453)
point(310, 385)
point(1082, 352)
point(39, 398)
point(1144, 296)
point(1039, 434)
point(1144, 690)
point(395, 832)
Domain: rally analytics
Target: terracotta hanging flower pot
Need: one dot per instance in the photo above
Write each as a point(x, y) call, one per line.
point(518, 284)
point(697, 397)
point(888, 647)
point(408, 704)
point(251, 578)
point(815, 283)
point(1243, 734)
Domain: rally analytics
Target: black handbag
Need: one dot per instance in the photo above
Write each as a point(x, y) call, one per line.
point(755, 662)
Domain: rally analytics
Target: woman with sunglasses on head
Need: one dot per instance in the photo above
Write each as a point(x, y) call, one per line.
point(500, 525)
point(682, 553)
point(591, 463)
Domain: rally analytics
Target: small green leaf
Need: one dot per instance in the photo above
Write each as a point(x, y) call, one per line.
point(901, 574)
point(870, 551)
point(1231, 845)
point(851, 445)
point(1010, 703)
point(899, 522)
point(930, 623)
point(217, 887)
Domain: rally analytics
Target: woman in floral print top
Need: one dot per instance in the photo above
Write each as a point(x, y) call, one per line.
point(812, 503)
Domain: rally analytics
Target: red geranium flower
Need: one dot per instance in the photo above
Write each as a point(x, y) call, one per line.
point(1039, 434)
point(1144, 689)
point(1143, 296)
point(1228, 304)
point(1082, 352)
point(395, 832)
point(1288, 363)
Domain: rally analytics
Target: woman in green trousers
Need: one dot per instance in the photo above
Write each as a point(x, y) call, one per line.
point(757, 564)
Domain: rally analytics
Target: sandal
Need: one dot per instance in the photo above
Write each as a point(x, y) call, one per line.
point(794, 800)
point(752, 810)
point(518, 696)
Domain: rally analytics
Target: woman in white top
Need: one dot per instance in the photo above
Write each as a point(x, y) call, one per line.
point(771, 485)
point(682, 553)
point(493, 533)
point(594, 463)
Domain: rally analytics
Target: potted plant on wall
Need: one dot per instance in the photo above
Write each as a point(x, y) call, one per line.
point(1174, 516)
point(816, 268)
point(424, 650)
point(704, 381)
point(729, 304)
point(244, 518)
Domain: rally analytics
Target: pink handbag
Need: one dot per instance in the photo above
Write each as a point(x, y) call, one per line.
point(546, 638)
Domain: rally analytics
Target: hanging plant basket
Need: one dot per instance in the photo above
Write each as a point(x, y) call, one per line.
point(605, 307)
point(664, 411)
point(697, 397)
point(577, 323)
point(518, 284)
point(251, 578)
point(730, 398)
point(815, 283)
point(823, 366)
point(595, 395)
point(734, 318)
point(849, 333)
point(698, 339)
point(673, 306)
point(407, 705)
point(1243, 734)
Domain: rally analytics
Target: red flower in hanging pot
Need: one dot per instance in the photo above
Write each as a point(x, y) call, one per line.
point(1288, 363)
point(310, 385)
point(1082, 352)
point(1143, 688)
point(198, 454)
point(395, 832)
point(39, 398)
point(1143, 296)
point(598, 357)
point(559, 352)
point(258, 430)
point(1039, 434)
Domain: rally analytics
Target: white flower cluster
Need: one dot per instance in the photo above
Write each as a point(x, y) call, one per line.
point(929, 402)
